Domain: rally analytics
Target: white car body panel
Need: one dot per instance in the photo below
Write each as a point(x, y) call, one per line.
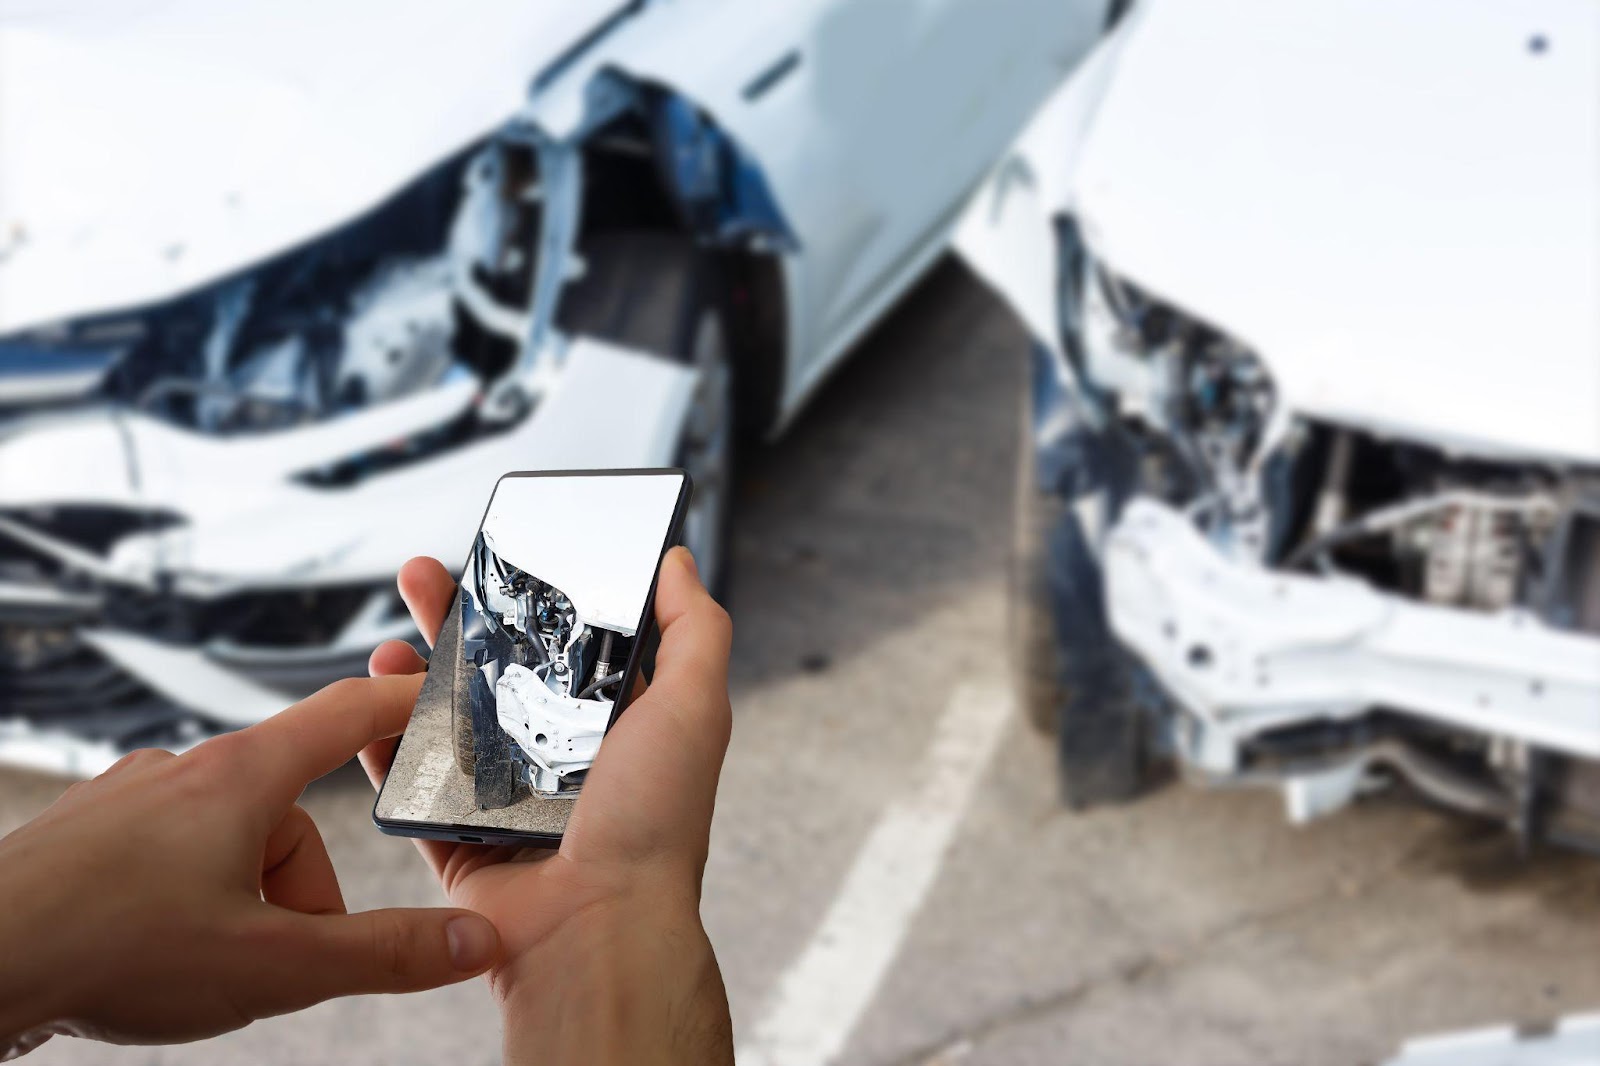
point(294, 117)
point(1414, 250)
point(560, 734)
point(871, 143)
point(609, 407)
point(1006, 234)
point(605, 580)
point(1250, 650)
point(52, 751)
point(1571, 1041)
point(187, 677)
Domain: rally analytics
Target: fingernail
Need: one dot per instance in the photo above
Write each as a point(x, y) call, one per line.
point(471, 942)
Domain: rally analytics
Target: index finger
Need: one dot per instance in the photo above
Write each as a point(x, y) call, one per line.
point(285, 753)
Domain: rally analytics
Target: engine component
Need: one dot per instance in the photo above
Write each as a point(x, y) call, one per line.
point(1474, 558)
point(1204, 399)
point(559, 734)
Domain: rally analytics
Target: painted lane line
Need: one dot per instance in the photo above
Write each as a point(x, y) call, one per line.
point(432, 772)
point(822, 995)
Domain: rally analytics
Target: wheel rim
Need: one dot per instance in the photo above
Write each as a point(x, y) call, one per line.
point(705, 449)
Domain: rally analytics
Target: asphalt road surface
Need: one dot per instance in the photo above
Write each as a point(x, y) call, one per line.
point(891, 880)
point(424, 784)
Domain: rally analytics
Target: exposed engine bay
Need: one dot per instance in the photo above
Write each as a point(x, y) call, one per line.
point(1326, 605)
point(540, 675)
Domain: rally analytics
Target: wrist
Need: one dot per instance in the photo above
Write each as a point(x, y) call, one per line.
point(618, 983)
point(31, 979)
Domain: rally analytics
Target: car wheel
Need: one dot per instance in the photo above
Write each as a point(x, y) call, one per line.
point(1072, 676)
point(655, 291)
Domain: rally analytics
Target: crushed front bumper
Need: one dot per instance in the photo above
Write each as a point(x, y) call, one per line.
point(90, 671)
point(1249, 650)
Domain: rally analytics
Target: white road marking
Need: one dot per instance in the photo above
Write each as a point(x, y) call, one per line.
point(822, 995)
point(432, 771)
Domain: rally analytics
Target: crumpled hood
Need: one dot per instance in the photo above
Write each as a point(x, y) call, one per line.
point(149, 146)
point(1396, 204)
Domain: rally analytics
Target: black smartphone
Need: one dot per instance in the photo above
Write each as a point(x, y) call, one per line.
point(537, 658)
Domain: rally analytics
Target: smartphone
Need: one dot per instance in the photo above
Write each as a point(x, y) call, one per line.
point(537, 658)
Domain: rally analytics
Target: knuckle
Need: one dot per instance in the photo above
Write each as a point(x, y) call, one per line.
point(718, 622)
point(253, 939)
point(220, 752)
point(214, 765)
point(139, 757)
point(391, 947)
point(118, 766)
point(348, 689)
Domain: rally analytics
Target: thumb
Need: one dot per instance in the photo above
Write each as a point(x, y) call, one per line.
point(314, 957)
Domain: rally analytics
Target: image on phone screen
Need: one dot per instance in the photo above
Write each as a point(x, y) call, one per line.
point(538, 654)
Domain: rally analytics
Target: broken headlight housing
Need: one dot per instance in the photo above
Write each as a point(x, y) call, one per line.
point(60, 364)
point(357, 316)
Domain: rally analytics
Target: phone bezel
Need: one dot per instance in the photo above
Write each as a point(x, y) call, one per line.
point(459, 833)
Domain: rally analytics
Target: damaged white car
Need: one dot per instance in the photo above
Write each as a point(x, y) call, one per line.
point(1310, 481)
point(284, 288)
point(539, 672)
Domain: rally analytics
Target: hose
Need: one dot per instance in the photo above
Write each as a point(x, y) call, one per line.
point(596, 686)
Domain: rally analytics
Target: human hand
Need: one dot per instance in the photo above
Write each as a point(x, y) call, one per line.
point(180, 896)
point(605, 957)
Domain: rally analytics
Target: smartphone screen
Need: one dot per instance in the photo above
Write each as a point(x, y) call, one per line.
point(537, 656)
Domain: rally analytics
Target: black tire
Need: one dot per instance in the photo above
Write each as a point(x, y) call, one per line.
point(460, 693)
point(1072, 676)
point(1036, 668)
point(494, 776)
point(656, 291)
point(482, 750)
